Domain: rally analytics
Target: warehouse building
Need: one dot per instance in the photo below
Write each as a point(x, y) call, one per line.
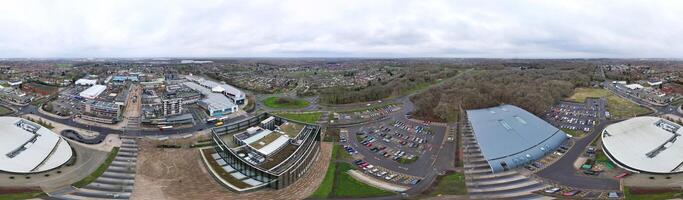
point(27, 147)
point(645, 144)
point(93, 91)
point(84, 81)
point(510, 137)
point(236, 95)
point(216, 104)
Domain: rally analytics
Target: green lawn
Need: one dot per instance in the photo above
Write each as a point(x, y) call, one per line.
point(574, 133)
point(338, 183)
point(308, 117)
point(665, 195)
point(99, 171)
point(348, 187)
point(404, 160)
point(5, 111)
point(452, 184)
point(22, 195)
point(618, 107)
point(285, 102)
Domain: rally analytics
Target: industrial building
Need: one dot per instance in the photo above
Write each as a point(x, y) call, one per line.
point(510, 137)
point(27, 147)
point(265, 151)
point(236, 95)
point(645, 144)
point(93, 91)
point(84, 81)
point(216, 104)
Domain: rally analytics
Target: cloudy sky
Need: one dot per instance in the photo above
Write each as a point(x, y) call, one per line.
point(344, 28)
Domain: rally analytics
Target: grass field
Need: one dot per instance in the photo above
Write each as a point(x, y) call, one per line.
point(574, 133)
point(452, 184)
point(339, 184)
point(5, 111)
point(99, 171)
point(285, 102)
point(21, 195)
point(665, 195)
point(618, 107)
point(307, 117)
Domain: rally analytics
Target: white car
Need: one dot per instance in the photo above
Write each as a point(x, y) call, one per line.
point(552, 190)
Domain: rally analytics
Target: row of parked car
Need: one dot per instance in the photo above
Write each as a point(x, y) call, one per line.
point(574, 192)
point(417, 129)
point(370, 169)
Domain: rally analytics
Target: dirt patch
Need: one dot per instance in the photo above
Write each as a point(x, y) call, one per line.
point(179, 174)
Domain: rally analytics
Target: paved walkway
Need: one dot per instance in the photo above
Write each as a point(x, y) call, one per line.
point(360, 176)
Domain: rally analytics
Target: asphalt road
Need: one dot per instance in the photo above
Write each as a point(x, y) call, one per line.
point(562, 171)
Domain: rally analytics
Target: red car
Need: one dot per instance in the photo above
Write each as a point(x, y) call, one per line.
point(570, 193)
point(622, 175)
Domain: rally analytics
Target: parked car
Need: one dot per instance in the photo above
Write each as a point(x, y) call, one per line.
point(552, 190)
point(622, 175)
point(571, 193)
point(612, 195)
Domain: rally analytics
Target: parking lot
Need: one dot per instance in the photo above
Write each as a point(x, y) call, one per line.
point(577, 116)
point(394, 150)
point(363, 115)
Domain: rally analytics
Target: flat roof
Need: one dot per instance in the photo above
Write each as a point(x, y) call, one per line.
point(215, 101)
point(93, 91)
point(27, 147)
point(512, 135)
point(636, 144)
point(291, 129)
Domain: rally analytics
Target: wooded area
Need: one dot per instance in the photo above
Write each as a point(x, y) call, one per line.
point(407, 80)
point(534, 90)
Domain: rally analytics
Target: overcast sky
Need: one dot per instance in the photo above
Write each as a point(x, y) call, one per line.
point(345, 28)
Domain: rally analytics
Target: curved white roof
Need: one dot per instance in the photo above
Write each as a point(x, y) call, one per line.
point(27, 147)
point(647, 144)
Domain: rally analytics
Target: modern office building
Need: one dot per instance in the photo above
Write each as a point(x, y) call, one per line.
point(27, 147)
point(258, 157)
point(101, 111)
point(645, 144)
point(510, 137)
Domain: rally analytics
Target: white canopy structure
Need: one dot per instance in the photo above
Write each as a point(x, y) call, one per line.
point(645, 144)
point(27, 147)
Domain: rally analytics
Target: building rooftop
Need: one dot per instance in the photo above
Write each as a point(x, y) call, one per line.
point(645, 144)
point(27, 147)
point(512, 135)
point(215, 101)
point(93, 91)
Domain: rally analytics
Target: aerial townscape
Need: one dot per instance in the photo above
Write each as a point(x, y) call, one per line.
point(110, 107)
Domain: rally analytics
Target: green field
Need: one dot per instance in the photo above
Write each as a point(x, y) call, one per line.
point(574, 133)
point(618, 107)
point(308, 117)
point(99, 171)
point(452, 184)
point(339, 184)
point(285, 102)
point(5, 111)
point(22, 195)
point(665, 195)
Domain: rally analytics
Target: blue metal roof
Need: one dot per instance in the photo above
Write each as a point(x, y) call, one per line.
point(512, 135)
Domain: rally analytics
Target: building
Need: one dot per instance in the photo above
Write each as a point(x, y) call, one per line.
point(510, 137)
point(654, 82)
point(645, 144)
point(27, 147)
point(217, 105)
point(84, 81)
point(236, 95)
point(171, 106)
point(101, 111)
point(93, 91)
point(121, 79)
point(265, 158)
point(634, 86)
